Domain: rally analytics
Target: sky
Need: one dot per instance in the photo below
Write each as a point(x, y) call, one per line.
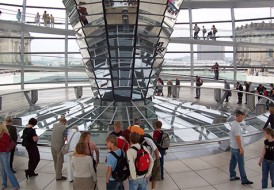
point(199, 15)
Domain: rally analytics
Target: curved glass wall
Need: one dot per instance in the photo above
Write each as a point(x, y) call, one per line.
point(250, 29)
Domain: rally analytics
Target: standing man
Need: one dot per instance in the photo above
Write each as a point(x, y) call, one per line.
point(247, 89)
point(260, 91)
point(240, 94)
point(112, 156)
point(204, 32)
point(157, 135)
point(215, 68)
point(169, 87)
point(51, 21)
point(18, 15)
point(227, 92)
point(58, 139)
point(237, 150)
point(196, 31)
point(199, 83)
point(137, 182)
point(29, 141)
point(45, 18)
point(13, 135)
point(178, 87)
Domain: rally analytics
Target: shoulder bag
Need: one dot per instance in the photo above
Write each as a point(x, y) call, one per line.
point(65, 148)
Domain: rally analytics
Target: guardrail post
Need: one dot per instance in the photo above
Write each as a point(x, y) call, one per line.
point(0, 103)
point(250, 102)
point(34, 96)
point(217, 94)
point(260, 107)
point(78, 90)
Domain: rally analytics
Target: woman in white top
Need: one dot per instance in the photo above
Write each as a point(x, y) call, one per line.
point(83, 172)
point(73, 137)
point(90, 148)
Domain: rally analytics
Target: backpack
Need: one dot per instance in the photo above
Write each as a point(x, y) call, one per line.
point(142, 161)
point(201, 82)
point(25, 141)
point(164, 141)
point(121, 171)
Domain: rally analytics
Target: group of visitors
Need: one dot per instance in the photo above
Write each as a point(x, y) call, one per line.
point(144, 154)
point(48, 19)
point(210, 35)
point(172, 91)
point(129, 144)
point(260, 90)
point(134, 158)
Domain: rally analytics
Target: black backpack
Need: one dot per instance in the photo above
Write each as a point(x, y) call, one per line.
point(25, 139)
point(121, 171)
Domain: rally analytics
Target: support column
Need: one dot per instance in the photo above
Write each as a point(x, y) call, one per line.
point(234, 46)
point(22, 48)
point(66, 52)
point(191, 47)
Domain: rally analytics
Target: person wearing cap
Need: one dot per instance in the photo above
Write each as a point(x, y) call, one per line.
point(58, 139)
point(13, 135)
point(34, 156)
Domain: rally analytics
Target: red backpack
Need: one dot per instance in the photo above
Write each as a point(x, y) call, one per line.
point(142, 161)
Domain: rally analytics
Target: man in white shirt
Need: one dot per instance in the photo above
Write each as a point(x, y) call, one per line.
point(237, 150)
point(73, 138)
point(137, 182)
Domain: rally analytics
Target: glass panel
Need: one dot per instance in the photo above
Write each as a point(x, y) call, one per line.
point(152, 20)
point(150, 8)
point(9, 12)
point(9, 76)
point(260, 32)
point(43, 76)
point(200, 15)
point(52, 3)
point(45, 20)
point(249, 13)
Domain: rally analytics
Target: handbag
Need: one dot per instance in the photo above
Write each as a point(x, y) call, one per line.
point(65, 148)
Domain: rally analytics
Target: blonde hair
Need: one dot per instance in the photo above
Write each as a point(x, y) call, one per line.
point(112, 139)
point(80, 148)
point(3, 128)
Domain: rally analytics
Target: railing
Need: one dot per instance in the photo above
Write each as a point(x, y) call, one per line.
point(187, 120)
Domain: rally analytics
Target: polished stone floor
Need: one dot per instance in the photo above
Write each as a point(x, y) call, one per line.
point(201, 173)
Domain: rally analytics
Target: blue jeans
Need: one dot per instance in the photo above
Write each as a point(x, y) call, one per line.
point(237, 158)
point(115, 185)
point(267, 167)
point(6, 170)
point(138, 184)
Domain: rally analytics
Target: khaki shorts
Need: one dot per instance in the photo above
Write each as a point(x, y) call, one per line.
point(156, 171)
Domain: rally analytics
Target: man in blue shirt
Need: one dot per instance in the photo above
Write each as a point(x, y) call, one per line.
point(112, 184)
